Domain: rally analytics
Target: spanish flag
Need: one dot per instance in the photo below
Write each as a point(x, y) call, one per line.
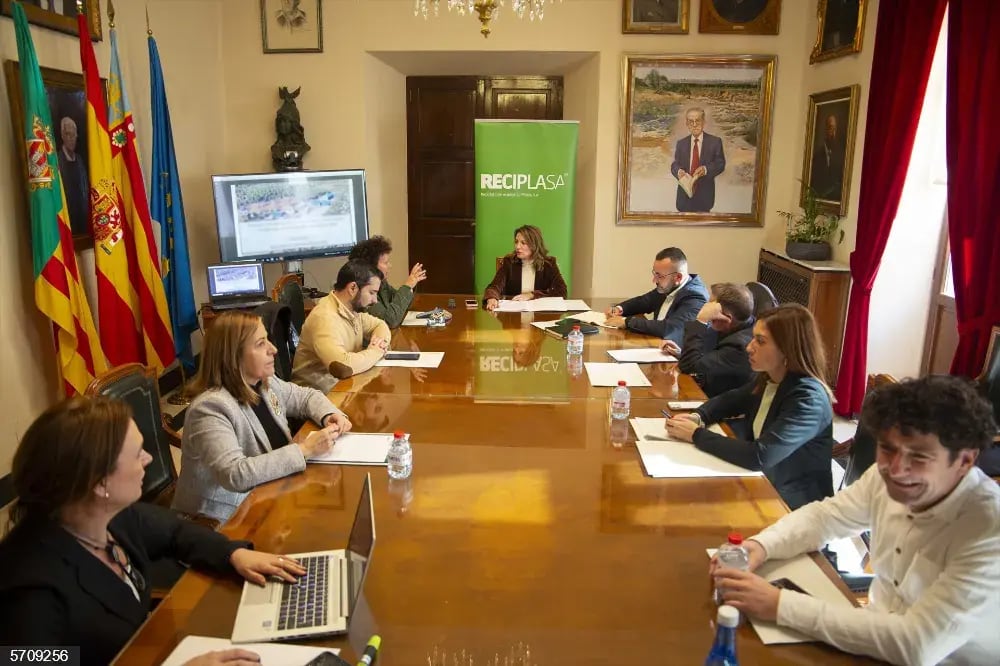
point(58, 292)
point(135, 326)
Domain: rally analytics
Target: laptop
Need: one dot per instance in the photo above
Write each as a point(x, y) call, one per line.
point(232, 286)
point(322, 601)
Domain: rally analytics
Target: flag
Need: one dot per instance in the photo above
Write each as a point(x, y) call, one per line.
point(58, 292)
point(167, 207)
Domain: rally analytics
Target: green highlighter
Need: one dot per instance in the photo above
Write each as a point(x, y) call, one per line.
point(371, 651)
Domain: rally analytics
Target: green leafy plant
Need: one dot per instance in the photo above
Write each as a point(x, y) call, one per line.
point(811, 226)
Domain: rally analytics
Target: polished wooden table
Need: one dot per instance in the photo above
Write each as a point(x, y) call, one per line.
point(528, 527)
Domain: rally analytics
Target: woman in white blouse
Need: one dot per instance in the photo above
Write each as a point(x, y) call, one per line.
point(526, 273)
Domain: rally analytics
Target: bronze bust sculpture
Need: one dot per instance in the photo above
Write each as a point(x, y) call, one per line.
point(287, 152)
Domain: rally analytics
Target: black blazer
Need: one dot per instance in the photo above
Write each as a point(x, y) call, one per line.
point(507, 282)
point(718, 362)
point(685, 307)
point(796, 441)
point(55, 592)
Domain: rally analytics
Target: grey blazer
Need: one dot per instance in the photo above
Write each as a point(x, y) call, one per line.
point(225, 452)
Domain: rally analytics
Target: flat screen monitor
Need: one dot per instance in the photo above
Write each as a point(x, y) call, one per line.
point(290, 216)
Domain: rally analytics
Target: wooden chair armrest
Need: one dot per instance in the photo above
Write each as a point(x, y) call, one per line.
point(173, 437)
point(843, 449)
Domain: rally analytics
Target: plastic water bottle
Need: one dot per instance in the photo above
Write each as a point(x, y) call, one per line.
point(574, 365)
point(574, 342)
point(732, 555)
point(621, 401)
point(400, 456)
point(723, 652)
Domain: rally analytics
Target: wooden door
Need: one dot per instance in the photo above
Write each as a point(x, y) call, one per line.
point(440, 116)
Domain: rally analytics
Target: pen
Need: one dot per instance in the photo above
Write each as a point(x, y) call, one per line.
point(666, 413)
point(371, 651)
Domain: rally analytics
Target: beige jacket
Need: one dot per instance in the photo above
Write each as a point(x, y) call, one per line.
point(332, 344)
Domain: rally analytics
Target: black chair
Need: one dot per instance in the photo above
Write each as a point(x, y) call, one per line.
point(763, 298)
point(288, 291)
point(989, 377)
point(277, 320)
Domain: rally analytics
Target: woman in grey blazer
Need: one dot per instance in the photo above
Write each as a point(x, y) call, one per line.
point(236, 433)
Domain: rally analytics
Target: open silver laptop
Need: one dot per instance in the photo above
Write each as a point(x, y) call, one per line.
point(322, 601)
point(232, 286)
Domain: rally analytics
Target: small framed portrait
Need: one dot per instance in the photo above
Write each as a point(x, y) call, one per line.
point(695, 136)
point(291, 26)
point(68, 107)
point(59, 14)
point(840, 29)
point(830, 128)
point(655, 16)
point(748, 17)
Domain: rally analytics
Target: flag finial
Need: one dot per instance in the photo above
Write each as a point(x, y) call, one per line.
point(111, 14)
point(149, 31)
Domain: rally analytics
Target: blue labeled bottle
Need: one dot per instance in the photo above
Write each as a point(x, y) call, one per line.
point(724, 648)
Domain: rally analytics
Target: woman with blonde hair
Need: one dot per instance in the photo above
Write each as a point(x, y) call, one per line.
point(236, 433)
point(526, 273)
point(788, 429)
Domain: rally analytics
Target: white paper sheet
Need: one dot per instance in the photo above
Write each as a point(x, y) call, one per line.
point(356, 448)
point(608, 374)
point(270, 653)
point(805, 573)
point(548, 304)
point(573, 304)
point(666, 458)
point(545, 325)
point(426, 360)
point(685, 404)
point(641, 355)
point(592, 317)
point(411, 319)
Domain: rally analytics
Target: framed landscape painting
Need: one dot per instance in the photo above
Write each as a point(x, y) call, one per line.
point(695, 133)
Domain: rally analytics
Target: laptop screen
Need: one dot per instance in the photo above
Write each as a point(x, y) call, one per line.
point(360, 543)
point(229, 280)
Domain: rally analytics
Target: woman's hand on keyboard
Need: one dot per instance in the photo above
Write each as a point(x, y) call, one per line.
point(256, 567)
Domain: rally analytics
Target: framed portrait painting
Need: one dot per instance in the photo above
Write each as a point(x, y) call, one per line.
point(695, 133)
point(68, 106)
point(748, 17)
point(841, 25)
point(59, 14)
point(292, 26)
point(831, 125)
point(643, 17)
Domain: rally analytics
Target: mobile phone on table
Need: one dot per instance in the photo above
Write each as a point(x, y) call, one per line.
point(785, 584)
point(327, 659)
point(471, 303)
point(402, 356)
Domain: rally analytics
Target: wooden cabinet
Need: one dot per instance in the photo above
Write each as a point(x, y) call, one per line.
point(821, 286)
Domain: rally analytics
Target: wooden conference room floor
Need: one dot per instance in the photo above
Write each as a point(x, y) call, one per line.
point(528, 525)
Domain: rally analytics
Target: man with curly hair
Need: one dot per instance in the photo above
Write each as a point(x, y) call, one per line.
point(934, 519)
point(392, 303)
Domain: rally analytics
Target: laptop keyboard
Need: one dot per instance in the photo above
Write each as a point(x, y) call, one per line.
point(305, 604)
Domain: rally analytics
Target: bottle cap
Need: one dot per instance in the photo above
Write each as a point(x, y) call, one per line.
point(398, 434)
point(576, 327)
point(735, 538)
point(621, 382)
point(728, 617)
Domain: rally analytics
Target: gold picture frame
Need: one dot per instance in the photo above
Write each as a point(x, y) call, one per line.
point(828, 159)
point(62, 19)
point(670, 104)
point(291, 26)
point(745, 17)
point(648, 17)
point(840, 29)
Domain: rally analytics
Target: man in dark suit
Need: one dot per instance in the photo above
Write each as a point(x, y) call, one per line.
point(699, 155)
point(827, 176)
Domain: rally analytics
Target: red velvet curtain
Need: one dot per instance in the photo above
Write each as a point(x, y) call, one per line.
point(904, 49)
point(974, 174)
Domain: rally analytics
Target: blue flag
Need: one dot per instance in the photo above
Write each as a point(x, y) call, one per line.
point(167, 207)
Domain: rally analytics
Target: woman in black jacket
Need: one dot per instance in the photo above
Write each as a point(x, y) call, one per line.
point(788, 427)
point(526, 273)
point(77, 559)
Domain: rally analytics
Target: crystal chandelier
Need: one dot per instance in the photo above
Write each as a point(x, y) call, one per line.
point(486, 10)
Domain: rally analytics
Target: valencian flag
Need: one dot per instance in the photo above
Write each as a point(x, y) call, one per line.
point(132, 309)
point(58, 292)
point(167, 207)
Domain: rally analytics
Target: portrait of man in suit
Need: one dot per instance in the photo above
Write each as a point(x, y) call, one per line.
point(698, 159)
point(656, 11)
point(840, 22)
point(829, 151)
point(739, 11)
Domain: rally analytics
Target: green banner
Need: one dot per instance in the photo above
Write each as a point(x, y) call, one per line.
point(525, 174)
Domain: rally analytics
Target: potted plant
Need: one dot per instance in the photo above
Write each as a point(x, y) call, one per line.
point(808, 234)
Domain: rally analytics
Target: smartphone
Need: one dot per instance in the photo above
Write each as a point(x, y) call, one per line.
point(327, 659)
point(785, 584)
point(471, 303)
point(402, 356)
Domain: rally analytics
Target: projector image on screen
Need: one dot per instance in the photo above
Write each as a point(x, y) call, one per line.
point(290, 216)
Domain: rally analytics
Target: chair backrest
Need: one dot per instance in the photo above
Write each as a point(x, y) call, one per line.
point(763, 298)
point(282, 282)
point(277, 320)
point(291, 295)
point(862, 455)
point(989, 378)
point(135, 384)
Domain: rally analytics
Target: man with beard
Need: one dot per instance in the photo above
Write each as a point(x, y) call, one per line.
point(676, 298)
point(332, 343)
point(934, 519)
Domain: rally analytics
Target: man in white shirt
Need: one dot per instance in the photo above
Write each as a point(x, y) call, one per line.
point(935, 536)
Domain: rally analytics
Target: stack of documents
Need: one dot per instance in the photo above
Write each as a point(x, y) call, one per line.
point(426, 360)
point(411, 319)
point(592, 317)
point(609, 374)
point(551, 304)
point(356, 448)
point(641, 355)
point(667, 458)
point(269, 653)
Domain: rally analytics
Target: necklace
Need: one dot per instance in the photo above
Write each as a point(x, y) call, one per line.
point(90, 542)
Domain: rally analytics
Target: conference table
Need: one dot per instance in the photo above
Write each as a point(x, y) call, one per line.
point(528, 533)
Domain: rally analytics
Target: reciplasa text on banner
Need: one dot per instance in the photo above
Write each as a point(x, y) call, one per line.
point(501, 184)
